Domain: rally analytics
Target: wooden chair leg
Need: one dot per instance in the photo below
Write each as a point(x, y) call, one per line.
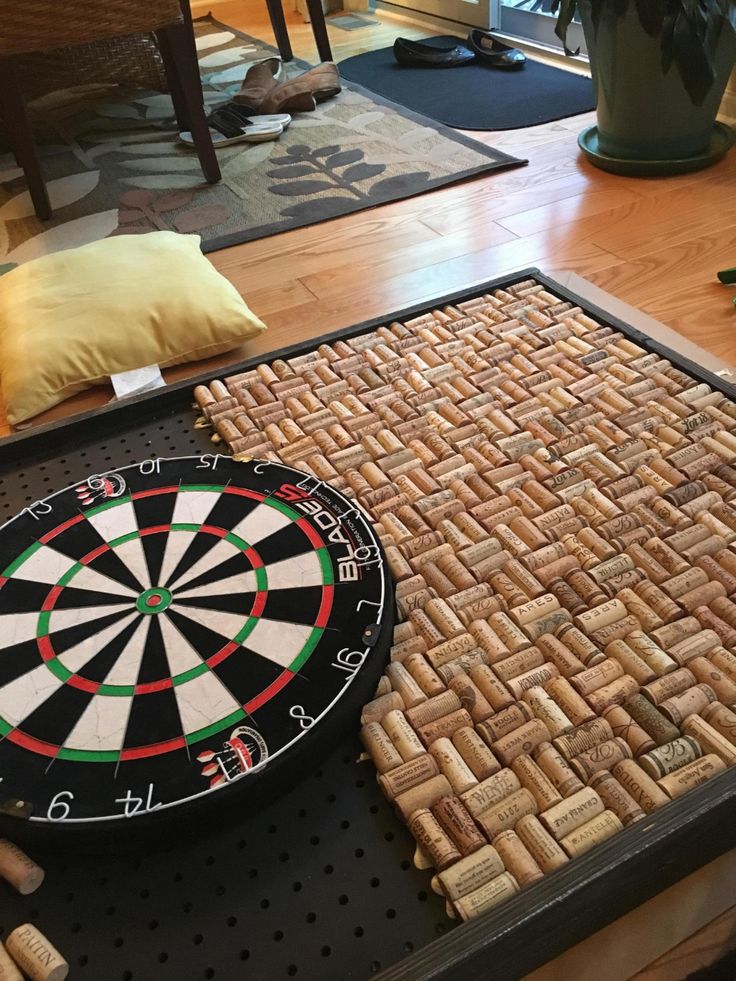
point(278, 23)
point(319, 29)
point(19, 128)
point(180, 42)
point(175, 89)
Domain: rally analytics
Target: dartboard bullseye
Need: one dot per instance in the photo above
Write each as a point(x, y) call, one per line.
point(176, 631)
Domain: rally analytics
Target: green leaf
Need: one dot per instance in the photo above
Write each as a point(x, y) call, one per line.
point(651, 15)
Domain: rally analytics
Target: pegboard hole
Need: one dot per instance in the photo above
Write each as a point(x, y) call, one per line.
point(265, 904)
point(278, 936)
point(375, 967)
point(390, 914)
point(344, 825)
point(343, 900)
point(284, 857)
point(153, 925)
point(311, 917)
point(328, 869)
point(297, 887)
point(422, 896)
point(375, 882)
point(163, 957)
point(210, 972)
point(326, 951)
point(291, 970)
point(244, 955)
point(359, 853)
point(232, 921)
point(314, 840)
point(83, 960)
point(358, 931)
point(197, 939)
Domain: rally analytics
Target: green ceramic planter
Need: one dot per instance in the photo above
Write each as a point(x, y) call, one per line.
point(643, 113)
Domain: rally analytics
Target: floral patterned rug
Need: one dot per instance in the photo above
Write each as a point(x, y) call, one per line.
point(113, 164)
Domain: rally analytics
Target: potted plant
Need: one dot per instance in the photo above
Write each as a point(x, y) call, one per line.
point(660, 68)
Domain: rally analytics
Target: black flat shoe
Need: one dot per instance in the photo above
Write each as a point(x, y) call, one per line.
point(492, 52)
point(416, 54)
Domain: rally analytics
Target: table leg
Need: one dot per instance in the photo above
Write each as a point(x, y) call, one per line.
point(319, 29)
point(278, 22)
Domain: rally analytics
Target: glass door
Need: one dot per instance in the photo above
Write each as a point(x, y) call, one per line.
point(533, 20)
point(472, 13)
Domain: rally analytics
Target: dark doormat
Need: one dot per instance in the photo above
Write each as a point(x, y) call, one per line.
point(113, 163)
point(474, 96)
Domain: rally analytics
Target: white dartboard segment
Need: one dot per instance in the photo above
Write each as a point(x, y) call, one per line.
point(132, 555)
point(299, 570)
point(278, 641)
point(179, 652)
point(22, 696)
point(75, 658)
point(219, 553)
point(262, 522)
point(114, 521)
point(102, 725)
point(233, 585)
point(128, 663)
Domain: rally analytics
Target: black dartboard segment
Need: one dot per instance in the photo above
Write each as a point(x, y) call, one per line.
point(174, 630)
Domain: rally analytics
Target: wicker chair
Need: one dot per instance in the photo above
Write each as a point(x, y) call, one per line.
point(147, 42)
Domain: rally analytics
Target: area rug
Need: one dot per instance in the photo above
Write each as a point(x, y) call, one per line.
point(474, 96)
point(113, 163)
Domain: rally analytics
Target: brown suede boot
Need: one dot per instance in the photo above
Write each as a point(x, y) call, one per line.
point(301, 94)
point(258, 84)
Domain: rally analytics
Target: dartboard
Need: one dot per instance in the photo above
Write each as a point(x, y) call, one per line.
point(174, 630)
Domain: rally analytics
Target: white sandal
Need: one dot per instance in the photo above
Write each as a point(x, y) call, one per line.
point(232, 123)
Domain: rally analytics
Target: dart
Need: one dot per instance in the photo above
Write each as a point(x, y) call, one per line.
point(206, 756)
point(210, 769)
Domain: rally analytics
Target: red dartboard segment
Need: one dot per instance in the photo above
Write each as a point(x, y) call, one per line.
point(273, 689)
point(154, 493)
point(323, 617)
point(153, 749)
point(50, 535)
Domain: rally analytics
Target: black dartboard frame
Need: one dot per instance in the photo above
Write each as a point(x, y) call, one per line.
point(321, 877)
point(174, 636)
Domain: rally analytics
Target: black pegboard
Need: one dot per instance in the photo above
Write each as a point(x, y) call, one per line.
point(317, 885)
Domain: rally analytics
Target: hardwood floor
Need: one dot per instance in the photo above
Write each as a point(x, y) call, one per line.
point(656, 244)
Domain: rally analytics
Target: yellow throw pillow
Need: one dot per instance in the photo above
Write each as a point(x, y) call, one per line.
point(70, 320)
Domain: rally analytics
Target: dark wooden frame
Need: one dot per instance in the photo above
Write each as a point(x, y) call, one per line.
point(576, 900)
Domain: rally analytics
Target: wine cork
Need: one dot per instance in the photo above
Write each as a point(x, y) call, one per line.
point(382, 751)
point(422, 795)
point(475, 753)
point(710, 739)
point(490, 791)
point(600, 616)
point(601, 757)
point(376, 710)
point(471, 698)
point(596, 831)
point(601, 674)
point(581, 646)
point(452, 765)
point(8, 969)
point(470, 873)
point(708, 674)
point(403, 736)
point(517, 858)
point(616, 798)
point(424, 674)
point(691, 701)
point(408, 775)
point(518, 664)
point(668, 686)
point(35, 955)
point(504, 815)
point(556, 767)
point(615, 693)
point(504, 722)
point(541, 845)
point(651, 719)
point(660, 662)
point(433, 841)
point(488, 640)
point(403, 683)
point(626, 728)
point(433, 708)
point(572, 813)
point(722, 719)
point(691, 775)
point(556, 652)
point(583, 738)
point(444, 726)
point(532, 679)
point(630, 661)
point(18, 869)
point(456, 822)
point(513, 638)
point(663, 605)
point(675, 633)
point(521, 740)
point(647, 794)
point(546, 708)
point(496, 693)
point(672, 756)
point(575, 708)
point(444, 618)
point(498, 890)
point(533, 778)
